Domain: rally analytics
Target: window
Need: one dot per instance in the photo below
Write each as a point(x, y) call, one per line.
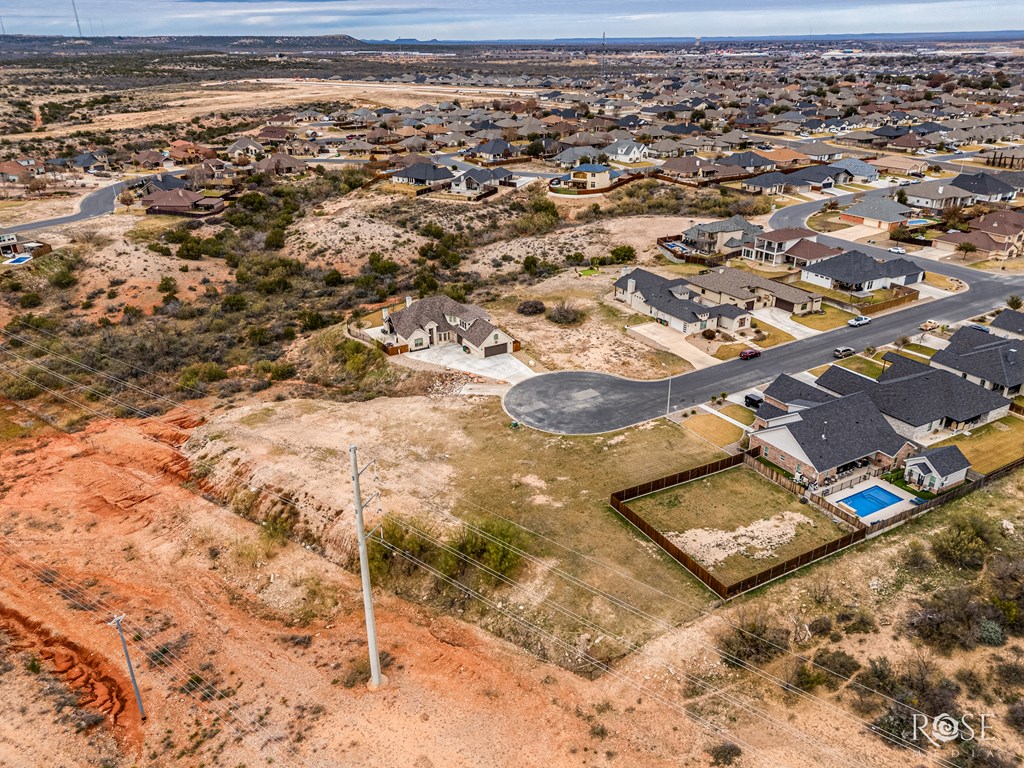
point(419, 343)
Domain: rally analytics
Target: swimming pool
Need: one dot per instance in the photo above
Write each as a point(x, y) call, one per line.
point(18, 260)
point(916, 222)
point(870, 500)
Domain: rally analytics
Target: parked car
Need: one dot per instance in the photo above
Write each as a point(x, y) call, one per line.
point(916, 174)
point(905, 183)
point(928, 325)
point(753, 400)
point(858, 321)
point(897, 249)
point(841, 352)
point(750, 354)
point(931, 151)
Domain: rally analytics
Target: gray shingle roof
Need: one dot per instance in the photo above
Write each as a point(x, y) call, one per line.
point(1009, 320)
point(984, 355)
point(882, 209)
point(857, 267)
point(732, 224)
point(657, 291)
point(791, 391)
point(945, 460)
point(915, 393)
point(844, 430)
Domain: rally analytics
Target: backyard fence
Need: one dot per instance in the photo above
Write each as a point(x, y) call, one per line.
point(1018, 409)
point(726, 591)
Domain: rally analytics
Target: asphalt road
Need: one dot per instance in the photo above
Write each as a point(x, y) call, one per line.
point(94, 204)
point(579, 402)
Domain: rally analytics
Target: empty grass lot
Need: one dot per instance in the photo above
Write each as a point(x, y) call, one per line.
point(833, 318)
point(730, 500)
point(559, 486)
point(713, 429)
point(826, 221)
point(862, 365)
point(992, 446)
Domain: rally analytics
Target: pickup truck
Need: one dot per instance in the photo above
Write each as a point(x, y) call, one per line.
point(928, 325)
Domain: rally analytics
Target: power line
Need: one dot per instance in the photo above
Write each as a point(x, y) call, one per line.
point(623, 604)
point(578, 582)
point(77, 22)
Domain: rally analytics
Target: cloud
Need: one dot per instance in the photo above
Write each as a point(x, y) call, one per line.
point(517, 19)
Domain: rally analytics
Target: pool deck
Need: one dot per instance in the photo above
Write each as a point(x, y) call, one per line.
point(882, 514)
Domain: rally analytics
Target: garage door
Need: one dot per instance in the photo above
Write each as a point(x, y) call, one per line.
point(495, 349)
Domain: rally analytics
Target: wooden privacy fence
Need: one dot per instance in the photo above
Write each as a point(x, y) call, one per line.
point(618, 503)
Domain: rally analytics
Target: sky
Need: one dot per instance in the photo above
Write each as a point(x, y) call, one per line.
point(508, 19)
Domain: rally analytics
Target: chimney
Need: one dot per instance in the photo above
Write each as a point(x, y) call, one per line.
point(1011, 356)
point(384, 313)
point(408, 301)
point(630, 285)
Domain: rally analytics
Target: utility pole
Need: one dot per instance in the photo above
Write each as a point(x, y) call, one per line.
point(364, 572)
point(668, 400)
point(116, 622)
point(3, 29)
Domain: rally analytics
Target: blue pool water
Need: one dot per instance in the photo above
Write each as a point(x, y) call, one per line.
point(18, 260)
point(916, 222)
point(870, 500)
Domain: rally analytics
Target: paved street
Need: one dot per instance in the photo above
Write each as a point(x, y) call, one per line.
point(573, 402)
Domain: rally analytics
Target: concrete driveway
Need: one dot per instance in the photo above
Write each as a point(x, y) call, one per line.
point(500, 367)
point(662, 337)
point(784, 321)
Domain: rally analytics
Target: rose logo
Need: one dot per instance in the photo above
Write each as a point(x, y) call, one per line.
point(945, 728)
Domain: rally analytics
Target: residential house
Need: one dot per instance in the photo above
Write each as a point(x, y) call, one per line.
point(11, 172)
point(245, 148)
point(727, 236)
point(985, 187)
point(149, 158)
point(725, 285)
point(860, 171)
point(188, 152)
point(672, 302)
point(818, 178)
point(933, 196)
point(438, 321)
point(899, 164)
point(493, 151)
point(279, 164)
point(1004, 226)
point(773, 183)
point(181, 202)
point(985, 246)
point(423, 175)
point(273, 134)
point(1009, 323)
point(794, 245)
point(820, 152)
point(917, 399)
point(627, 151)
point(13, 246)
point(986, 359)
point(749, 162)
point(589, 176)
point(784, 157)
point(880, 213)
point(476, 180)
point(856, 272)
point(817, 441)
point(936, 469)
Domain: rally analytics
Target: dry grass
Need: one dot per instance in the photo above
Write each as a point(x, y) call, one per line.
point(739, 413)
point(730, 500)
point(776, 336)
point(862, 365)
point(942, 282)
point(833, 318)
point(827, 221)
point(713, 429)
point(993, 445)
point(559, 486)
point(1000, 265)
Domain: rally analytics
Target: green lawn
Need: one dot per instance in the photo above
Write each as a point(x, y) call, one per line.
point(993, 445)
point(920, 349)
point(862, 365)
point(833, 318)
